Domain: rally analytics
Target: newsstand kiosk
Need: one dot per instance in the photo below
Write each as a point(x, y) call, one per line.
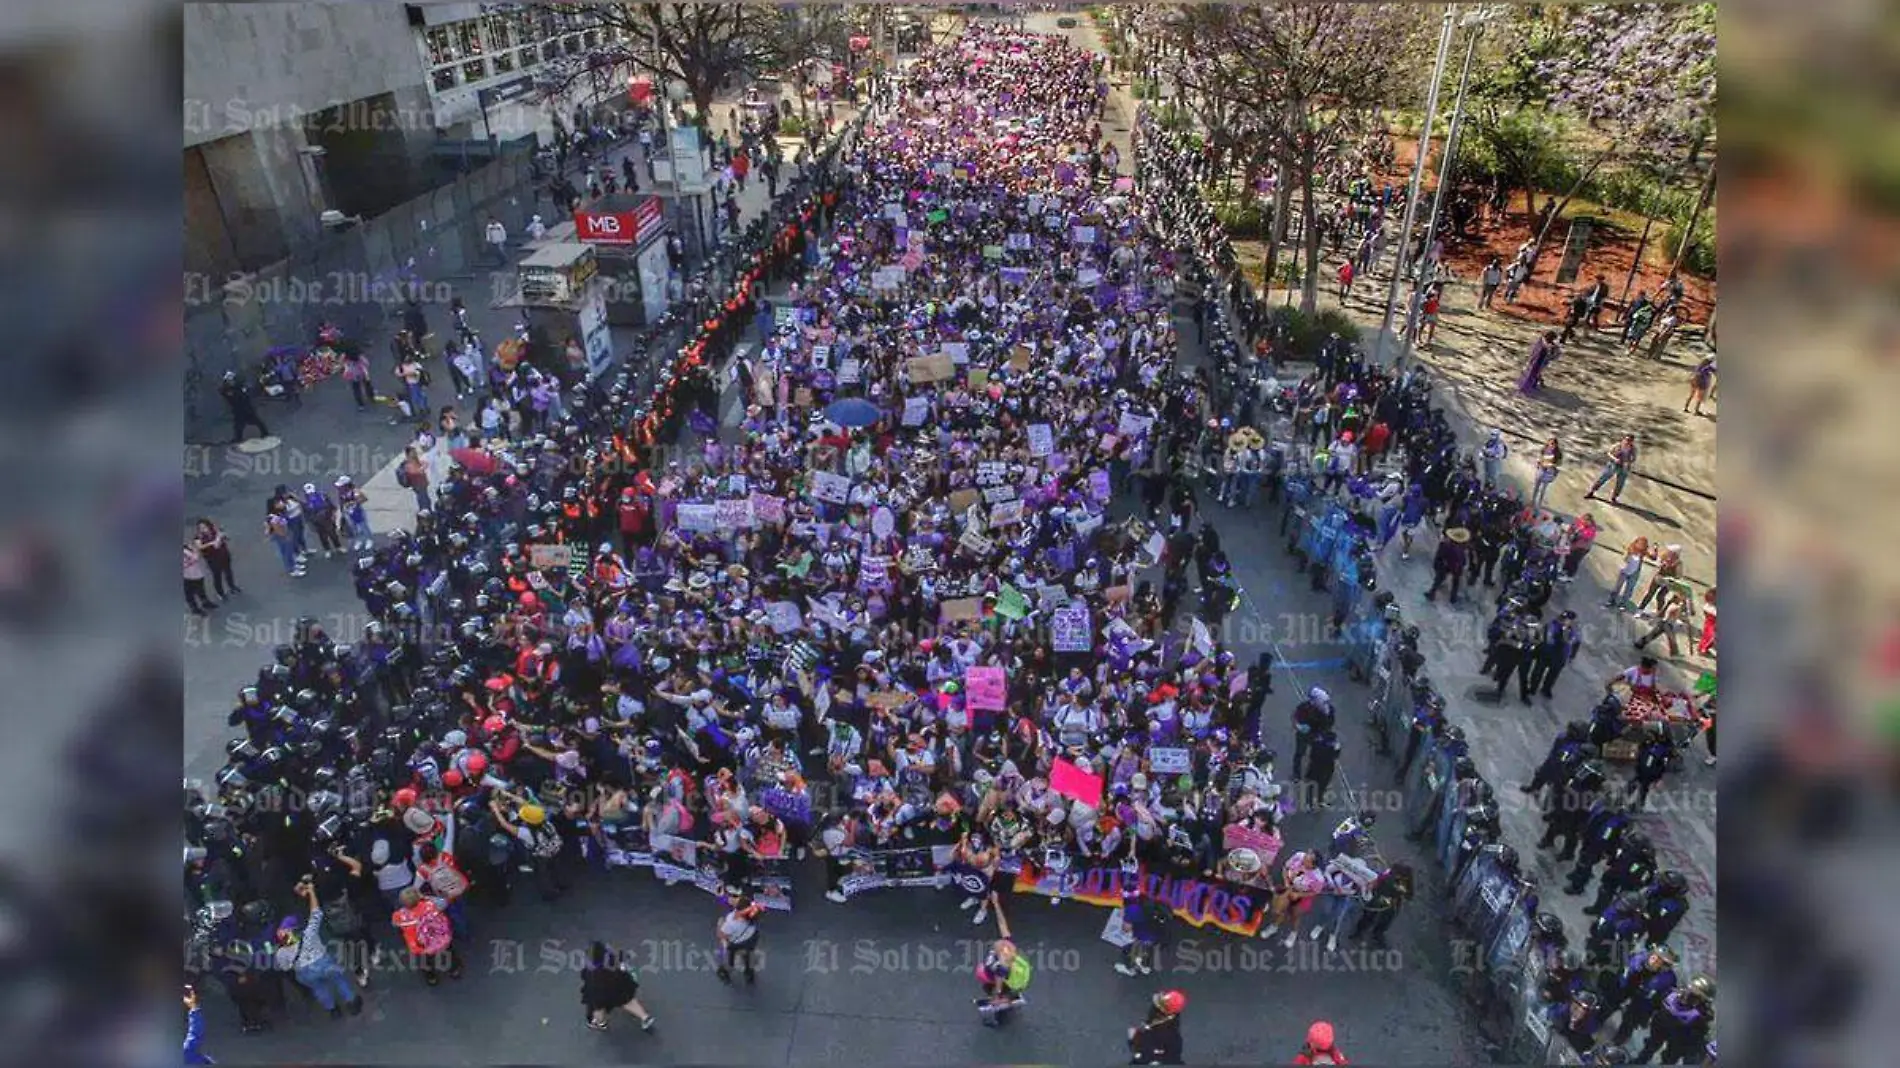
point(563, 298)
point(628, 232)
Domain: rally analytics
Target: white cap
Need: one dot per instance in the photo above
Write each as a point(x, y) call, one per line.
point(1318, 696)
point(1672, 548)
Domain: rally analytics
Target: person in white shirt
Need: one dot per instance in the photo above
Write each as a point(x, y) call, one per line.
point(536, 230)
point(497, 238)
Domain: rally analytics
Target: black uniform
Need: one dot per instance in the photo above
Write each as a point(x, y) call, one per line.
point(1569, 810)
point(237, 397)
point(1556, 647)
point(1631, 866)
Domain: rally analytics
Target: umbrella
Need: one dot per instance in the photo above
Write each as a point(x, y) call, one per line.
point(853, 412)
point(474, 461)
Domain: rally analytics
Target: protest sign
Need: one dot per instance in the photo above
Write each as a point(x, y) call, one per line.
point(986, 687)
point(975, 544)
point(1070, 780)
point(961, 500)
point(1019, 242)
point(850, 371)
point(550, 556)
point(1019, 358)
point(887, 278)
point(1084, 235)
point(999, 494)
point(919, 558)
point(883, 522)
point(992, 252)
point(979, 378)
point(767, 508)
point(829, 487)
point(1010, 602)
point(784, 617)
point(1169, 760)
point(1133, 426)
point(962, 608)
point(926, 369)
point(821, 356)
point(1098, 485)
point(1042, 439)
point(1237, 685)
point(784, 315)
point(1087, 277)
point(698, 518)
point(991, 472)
point(1069, 628)
point(1003, 513)
point(916, 409)
point(731, 515)
point(958, 351)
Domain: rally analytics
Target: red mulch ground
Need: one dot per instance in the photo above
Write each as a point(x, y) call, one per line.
point(1612, 247)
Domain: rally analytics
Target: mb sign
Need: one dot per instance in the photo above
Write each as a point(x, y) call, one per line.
point(630, 227)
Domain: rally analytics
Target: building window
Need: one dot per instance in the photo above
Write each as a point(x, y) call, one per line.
point(474, 70)
point(574, 45)
point(444, 78)
point(440, 50)
point(547, 24)
point(551, 51)
point(468, 37)
point(501, 32)
point(504, 62)
point(530, 56)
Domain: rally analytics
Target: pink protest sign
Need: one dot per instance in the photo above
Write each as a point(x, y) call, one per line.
point(988, 689)
point(1237, 685)
point(1071, 781)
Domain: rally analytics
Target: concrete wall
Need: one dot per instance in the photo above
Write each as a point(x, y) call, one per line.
point(252, 65)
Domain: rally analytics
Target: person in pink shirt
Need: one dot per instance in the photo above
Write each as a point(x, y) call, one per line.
point(1581, 535)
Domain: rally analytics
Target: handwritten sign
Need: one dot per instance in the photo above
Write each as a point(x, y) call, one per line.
point(987, 688)
point(1131, 425)
point(998, 494)
point(1169, 760)
point(927, 369)
point(768, 509)
point(1010, 602)
point(883, 522)
point(919, 558)
point(821, 356)
point(829, 487)
point(958, 351)
point(733, 514)
point(1042, 439)
point(1069, 628)
point(784, 617)
point(887, 278)
point(1083, 235)
point(1003, 513)
point(991, 473)
point(850, 371)
point(550, 556)
point(1018, 242)
point(1098, 485)
point(1087, 277)
point(961, 609)
point(699, 518)
point(975, 544)
point(916, 410)
point(961, 500)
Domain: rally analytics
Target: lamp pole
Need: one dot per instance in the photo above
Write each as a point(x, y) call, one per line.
point(1418, 175)
point(1438, 196)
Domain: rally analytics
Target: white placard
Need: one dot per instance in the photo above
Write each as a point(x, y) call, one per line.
point(883, 522)
point(1087, 277)
point(850, 371)
point(1003, 513)
point(784, 617)
point(1019, 242)
point(998, 494)
point(916, 409)
point(1042, 439)
point(1083, 235)
point(1131, 425)
point(1169, 760)
point(698, 518)
point(958, 351)
point(821, 357)
point(829, 487)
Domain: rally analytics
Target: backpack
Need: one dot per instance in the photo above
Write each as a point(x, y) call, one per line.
point(1020, 972)
point(431, 932)
point(447, 881)
point(402, 475)
point(547, 842)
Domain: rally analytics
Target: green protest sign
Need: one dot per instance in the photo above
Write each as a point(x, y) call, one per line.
point(1010, 602)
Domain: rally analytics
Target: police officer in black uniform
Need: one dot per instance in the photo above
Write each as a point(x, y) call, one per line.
point(1603, 829)
point(1665, 902)
point(1566, 754)
point(1567, 812)
point(1638, 989)
point(1680, 1030)
point(1630, 867)
point(1652, 760)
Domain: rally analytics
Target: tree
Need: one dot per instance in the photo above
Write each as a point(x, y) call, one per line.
point(1299, 82)
point(700, 46)
point(1641, 77)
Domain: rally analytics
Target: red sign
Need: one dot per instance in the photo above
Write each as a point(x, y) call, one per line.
point(640, 89)
point(632, 227)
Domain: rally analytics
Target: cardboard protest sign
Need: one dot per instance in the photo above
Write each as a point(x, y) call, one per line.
point(919, 558)
point(550, 556)
point(1069, 628)
point(1019, 358)
point(961, 609)
point(958, 351)
point(889, 699)
point(975, 544)
point(1004, 513)
point(979, 378)
point(928, 369)
point(961, 500)
point(987, 688)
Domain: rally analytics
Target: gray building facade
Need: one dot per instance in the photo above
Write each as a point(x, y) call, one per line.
point(292, 109)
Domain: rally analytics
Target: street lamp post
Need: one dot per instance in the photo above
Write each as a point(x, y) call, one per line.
point(1444, 180)
point(1418, 176)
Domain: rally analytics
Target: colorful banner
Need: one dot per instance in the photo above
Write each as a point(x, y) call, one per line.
point(1232, 907)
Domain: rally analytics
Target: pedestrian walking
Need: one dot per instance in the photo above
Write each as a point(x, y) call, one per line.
point(243, 407)
point(1618, 462)
point(415, 398)
point(1514, 279)
point(1320, 1047)
point(1004, 975)
point(413, 475)
point(1346, 274)
point(1629, 573)
point(356, 373)
point(216, 550)
point(1596, 298)
point(1701, 382)
point(737, 938)
point(496, 236)
point(430, 936)
point(1489, 281)
point(1449, 563)
point(1141, 918)
point(609, 982)
point(1157, 1039)
point(352, 505)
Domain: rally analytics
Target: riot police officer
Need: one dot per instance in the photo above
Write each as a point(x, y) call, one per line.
point(1631, 865)
point(1652, 760)
point(1609, 820)
point(1682, 1028)
point(1664, 904)
point(1616, 926)
point(1566, 753)
point(1582, 1019)
point(1638, 990)
point(1565, 818)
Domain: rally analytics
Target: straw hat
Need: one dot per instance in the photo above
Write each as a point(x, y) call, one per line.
point(1458, 534)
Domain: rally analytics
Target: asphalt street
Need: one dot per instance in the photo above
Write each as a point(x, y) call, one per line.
point(884, 978)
